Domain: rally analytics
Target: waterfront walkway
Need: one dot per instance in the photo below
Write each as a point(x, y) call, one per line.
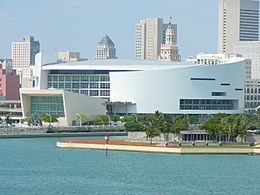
point(100, 145)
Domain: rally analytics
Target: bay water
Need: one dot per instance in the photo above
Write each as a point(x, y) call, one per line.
point(37, 166)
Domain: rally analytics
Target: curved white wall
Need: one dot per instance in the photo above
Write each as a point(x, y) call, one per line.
point(162, 89)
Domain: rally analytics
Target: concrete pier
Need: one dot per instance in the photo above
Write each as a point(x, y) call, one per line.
point(169, 150)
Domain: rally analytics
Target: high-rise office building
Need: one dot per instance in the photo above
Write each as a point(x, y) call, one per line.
point(150, 33)
point(169, 50)
point(23, 55)
point(238, 21)
point(105, 49)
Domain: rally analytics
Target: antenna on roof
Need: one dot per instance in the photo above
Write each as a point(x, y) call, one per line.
point(170, 20)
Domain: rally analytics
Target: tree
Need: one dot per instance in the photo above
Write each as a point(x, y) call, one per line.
point(163, 123)
point(149, 125)
point(81, 118)
point(49, 118)
point(180, 124)
point(230, 123)
point(214, 127)
point(133, 122)
point(115, 117)
point(244, 123)
point(104, 119)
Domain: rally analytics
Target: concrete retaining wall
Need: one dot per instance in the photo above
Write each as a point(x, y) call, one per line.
point(160, 149)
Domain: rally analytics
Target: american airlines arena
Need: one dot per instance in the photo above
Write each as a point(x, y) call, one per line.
point(136, 86)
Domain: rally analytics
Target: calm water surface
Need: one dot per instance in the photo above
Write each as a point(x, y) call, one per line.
point(36, 166)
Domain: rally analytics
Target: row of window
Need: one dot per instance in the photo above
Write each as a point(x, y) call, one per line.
point(47, 107)
point(46, 99)
point(206, 104)
point(91, 92)
point(79, 85)
point(77, 78)
point(252, 97)
point(252, 90)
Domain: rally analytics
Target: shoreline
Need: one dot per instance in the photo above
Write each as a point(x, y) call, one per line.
point(73, 144)
point(46, 135)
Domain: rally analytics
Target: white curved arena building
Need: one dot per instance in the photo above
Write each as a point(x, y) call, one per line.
point(135, 86)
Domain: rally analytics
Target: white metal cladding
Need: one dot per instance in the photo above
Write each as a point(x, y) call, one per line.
point(163, 89)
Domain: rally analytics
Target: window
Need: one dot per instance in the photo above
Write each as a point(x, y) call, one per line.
point(84, 78)
point(93, 85)
point(55, 78)
point(55, 85)
point(93, 93)
point(67, 78)
point(105, 85)
point(85, 92)
point(225, 84)
point(75, 85)
point(61, 78)
point(84, 85)
point(67, 85)
point(94, 78)
point(104, 93)
point(218, 94)
point(75, 78)
point(202, 79)
point(239, 89)
point(61, 85)
point(104, 78)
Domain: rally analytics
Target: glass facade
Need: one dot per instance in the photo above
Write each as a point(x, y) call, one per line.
point(208, 104)
point(47, 105)
point(87, 84)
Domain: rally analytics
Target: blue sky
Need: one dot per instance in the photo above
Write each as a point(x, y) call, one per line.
point(78, 25)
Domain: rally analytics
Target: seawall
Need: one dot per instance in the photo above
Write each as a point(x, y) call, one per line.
point(177, 150)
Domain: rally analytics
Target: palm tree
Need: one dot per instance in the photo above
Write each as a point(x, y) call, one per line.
point(81, 118)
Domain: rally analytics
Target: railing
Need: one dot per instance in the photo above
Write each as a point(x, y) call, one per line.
point(46, 129)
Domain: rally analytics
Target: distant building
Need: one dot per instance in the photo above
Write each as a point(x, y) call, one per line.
point(252, 93)
point(150, 33)
point(9, 81)
point(169, 50)
point(238, 21)
point(250, 50)
point(23, 56)
point(68, 56)
point(105, 49)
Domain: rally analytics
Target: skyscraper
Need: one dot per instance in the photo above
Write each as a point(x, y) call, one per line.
point(238, 21)
point(149, 35)
point(23, 55)
point(105, 49)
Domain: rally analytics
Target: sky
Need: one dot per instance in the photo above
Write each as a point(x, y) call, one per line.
point(78, 25)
